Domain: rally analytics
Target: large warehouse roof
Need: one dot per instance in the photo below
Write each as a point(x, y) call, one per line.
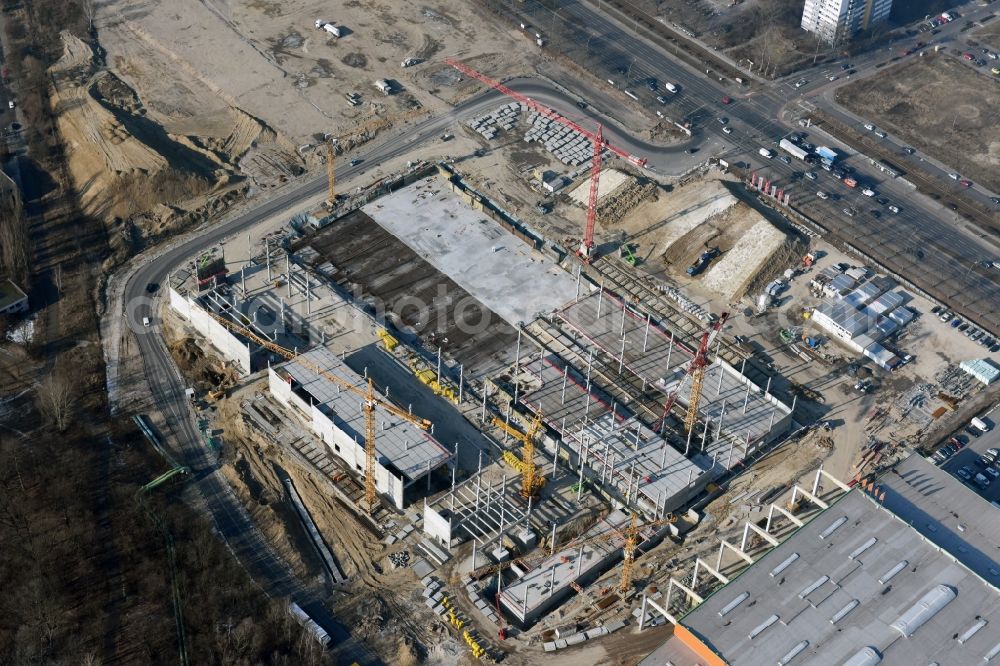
point(857, 584)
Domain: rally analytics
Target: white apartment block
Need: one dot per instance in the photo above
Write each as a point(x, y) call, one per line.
point(837, 20)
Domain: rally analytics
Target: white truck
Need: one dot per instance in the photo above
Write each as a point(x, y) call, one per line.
point(326, 26)
point(670, 87)
point(792, 149)
point(764, 152)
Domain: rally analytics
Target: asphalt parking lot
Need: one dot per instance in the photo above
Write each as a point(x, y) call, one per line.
point(969, 455)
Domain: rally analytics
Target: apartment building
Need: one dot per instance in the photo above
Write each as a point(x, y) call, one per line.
point(838, 20)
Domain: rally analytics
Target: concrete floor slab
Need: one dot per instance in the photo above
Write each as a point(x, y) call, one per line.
point(506, 275)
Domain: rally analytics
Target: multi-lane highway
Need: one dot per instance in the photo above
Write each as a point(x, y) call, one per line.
point(924, 242)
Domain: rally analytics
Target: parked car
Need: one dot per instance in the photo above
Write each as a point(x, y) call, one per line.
point(894, 209)
point(972, 431)
point(992, 471)
point(964, 472)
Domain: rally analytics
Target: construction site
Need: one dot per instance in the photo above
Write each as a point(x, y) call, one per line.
point(525, 430)
point(491, 403)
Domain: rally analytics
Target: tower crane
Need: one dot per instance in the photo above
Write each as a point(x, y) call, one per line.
point(695, 370)
point(586, 250)
point(531, 483)
point(370, 401)
point(630, 536)
point(374, 124)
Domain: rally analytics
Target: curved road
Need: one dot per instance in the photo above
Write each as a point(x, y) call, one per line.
point(167, 387)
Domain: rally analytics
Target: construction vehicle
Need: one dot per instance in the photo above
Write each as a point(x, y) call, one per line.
point(531, 482)
point(586, 251)
point(370, 403)
point(629, 256)
point(702, 262)
point(695, 370)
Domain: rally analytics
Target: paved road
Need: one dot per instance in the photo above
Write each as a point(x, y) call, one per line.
point(167, 387)
point(925, 242)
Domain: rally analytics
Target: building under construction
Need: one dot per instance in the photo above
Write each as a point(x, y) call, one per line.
point(405, 454)
point(463, 292)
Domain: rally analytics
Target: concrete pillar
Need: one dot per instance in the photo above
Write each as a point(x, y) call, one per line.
point(555, 458)
point(670, 350)
point(743, 367)
point(663, 456)
point(474, 544)
point(600, 300)
point(267, 253)
point(243, 280)
point(308, 296)
point(562, 399)
point(439, 366)
point(288, 273)
point(746, 400)
point(579, 487)
point(552, 540)
point(794, 400)
point(579, 276)
point(687, 447)
point(552, 580)
point(767, 389)
point(461, 383)
point(704, 432)
point(527, 515)
point(729, 461)
point(621, 331)
point(770, 424)
point(428, 476)
point(621, 356)
point(722, 417)
point(483, 417)
point(645, 336)
point(579, 562)
point(718, 389)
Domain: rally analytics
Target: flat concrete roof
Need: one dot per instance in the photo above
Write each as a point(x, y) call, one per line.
point(495, 267)
point(548, 582)
point(947, 513)
point(653, 355)
point(370, 262)
point(403, 445)
point(840, 584)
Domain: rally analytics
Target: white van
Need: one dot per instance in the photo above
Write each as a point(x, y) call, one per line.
point(979, 424)
point(764, 152)
point(822, 195)
point(145, 321)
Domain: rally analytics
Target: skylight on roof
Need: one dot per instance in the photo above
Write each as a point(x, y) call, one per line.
point(794, 652)
point(919, 613)
point(833, 527)
point(862, 548)
point(784, 565)
point(762, 626)
point(842, 613)
point(888, 575)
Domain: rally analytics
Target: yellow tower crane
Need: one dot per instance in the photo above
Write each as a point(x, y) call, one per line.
point(372, 125)
point(695, 370)
point(531, 483)
point(371, 401)
point(630, 536)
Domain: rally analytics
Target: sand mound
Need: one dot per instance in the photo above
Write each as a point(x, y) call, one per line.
point(732, 273)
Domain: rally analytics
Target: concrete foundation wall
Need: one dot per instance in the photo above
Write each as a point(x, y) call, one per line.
point(338, 442)
point(231, 348)
point(437, 526)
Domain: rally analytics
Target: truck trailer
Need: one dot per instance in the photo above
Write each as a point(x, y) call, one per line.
point(793, 150)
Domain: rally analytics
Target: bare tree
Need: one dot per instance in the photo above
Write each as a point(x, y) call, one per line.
point(57, 398)
point(88, 11)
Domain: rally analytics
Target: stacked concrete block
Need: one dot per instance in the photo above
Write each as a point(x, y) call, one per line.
point(503, 118)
